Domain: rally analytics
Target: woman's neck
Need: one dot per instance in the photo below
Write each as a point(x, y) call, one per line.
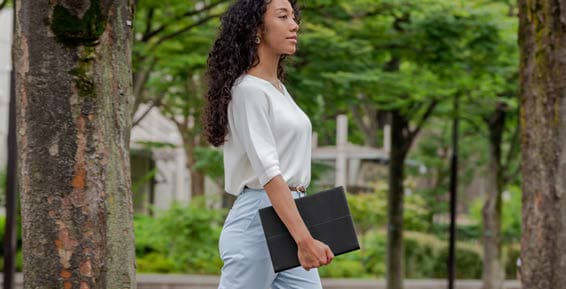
point(268, 64)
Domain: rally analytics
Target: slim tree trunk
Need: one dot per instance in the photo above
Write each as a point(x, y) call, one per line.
point(543, 140)
point(197, 178)
point(395, 246)
point(493, 273)
point(402, 137)
point(74, 97)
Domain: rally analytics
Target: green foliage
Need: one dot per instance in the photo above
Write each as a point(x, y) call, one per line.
point(511, 214)
point(374, 250)
point(19, 260)
point(180, 239)
point(464, 232)
point(425, 257)
point(369, 210)
point(443, 48)
point(344, 266)
point(6, 4)
point(155, 263)
point(209, 161)
point(415, 213)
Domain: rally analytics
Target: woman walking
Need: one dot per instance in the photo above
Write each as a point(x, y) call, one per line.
point(266, 140)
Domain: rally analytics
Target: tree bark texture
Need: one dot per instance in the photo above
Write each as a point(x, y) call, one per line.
point(542, 40)
point(74, 97)
point(493, 272)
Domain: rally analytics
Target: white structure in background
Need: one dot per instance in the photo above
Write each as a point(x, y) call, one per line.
point(5, 69)
point(171, 177)
point(348, 156)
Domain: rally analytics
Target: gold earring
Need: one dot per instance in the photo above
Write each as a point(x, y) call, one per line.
point(257, 39)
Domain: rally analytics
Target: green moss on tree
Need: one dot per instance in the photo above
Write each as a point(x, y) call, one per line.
point(73, 31)
point(84, 81)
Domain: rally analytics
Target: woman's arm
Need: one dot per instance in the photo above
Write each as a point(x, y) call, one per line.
point(312, 253)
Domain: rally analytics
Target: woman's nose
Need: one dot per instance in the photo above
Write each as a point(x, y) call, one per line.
point(295, 27)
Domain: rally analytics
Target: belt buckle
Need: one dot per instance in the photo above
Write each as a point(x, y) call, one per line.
point(301, 189)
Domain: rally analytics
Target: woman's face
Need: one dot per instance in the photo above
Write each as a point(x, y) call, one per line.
point(280, 28)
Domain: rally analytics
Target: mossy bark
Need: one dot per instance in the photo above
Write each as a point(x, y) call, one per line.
point(493, 272)
point(543, 139)
point(74, 96)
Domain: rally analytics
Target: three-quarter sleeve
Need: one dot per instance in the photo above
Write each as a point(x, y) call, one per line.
point(251, 127)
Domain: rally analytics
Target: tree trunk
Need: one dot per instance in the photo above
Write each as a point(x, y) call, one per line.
point(74, 95)
point(197, 183)
point(543, 140)
point(197, 178)
point(395, 246)
point(493, 273)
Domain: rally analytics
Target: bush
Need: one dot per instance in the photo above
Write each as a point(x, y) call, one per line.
point(369, 210)
point(426, 257)
point(415, 217)
point(464, 232)
point(186, 237)
point(374, 245)
point(155, 263)
point(344, 266)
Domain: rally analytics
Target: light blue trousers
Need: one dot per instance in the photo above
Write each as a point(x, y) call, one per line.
point(243, 249)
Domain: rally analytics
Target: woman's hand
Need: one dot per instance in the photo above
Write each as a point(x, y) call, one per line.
point(314, 253)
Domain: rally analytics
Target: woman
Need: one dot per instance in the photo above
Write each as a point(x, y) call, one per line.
point(267, 144)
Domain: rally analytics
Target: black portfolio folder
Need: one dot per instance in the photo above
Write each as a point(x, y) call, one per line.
point(327, 216)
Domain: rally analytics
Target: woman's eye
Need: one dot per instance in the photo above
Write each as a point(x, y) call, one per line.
point(283, 17)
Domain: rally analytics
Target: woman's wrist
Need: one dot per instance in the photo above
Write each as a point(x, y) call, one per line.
point(304, 238)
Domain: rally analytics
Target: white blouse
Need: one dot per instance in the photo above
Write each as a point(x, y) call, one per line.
point(269, 135)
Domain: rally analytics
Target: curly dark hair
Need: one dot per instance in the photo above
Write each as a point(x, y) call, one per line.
point(233, 53)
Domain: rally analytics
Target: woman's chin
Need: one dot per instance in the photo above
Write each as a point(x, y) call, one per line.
point(290, 51)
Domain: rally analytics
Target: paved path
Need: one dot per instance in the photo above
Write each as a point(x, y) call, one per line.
point(151, 281)
point(174, 281)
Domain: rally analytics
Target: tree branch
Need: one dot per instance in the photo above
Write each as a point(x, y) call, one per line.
point(477, 128)
point(426, 115)
point(183, 30)
point(140, 78)
point(153, 104)
point(162, 27)
point(411, 134)
point(357, 113)
point(147, 32)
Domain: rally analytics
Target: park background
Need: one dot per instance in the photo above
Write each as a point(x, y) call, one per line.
point(359, 64)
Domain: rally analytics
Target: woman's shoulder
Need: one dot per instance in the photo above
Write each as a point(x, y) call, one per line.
point(245, 86)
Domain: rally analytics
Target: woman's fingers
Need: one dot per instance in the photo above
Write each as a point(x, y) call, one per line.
point(316, 259)
point(329, 255)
